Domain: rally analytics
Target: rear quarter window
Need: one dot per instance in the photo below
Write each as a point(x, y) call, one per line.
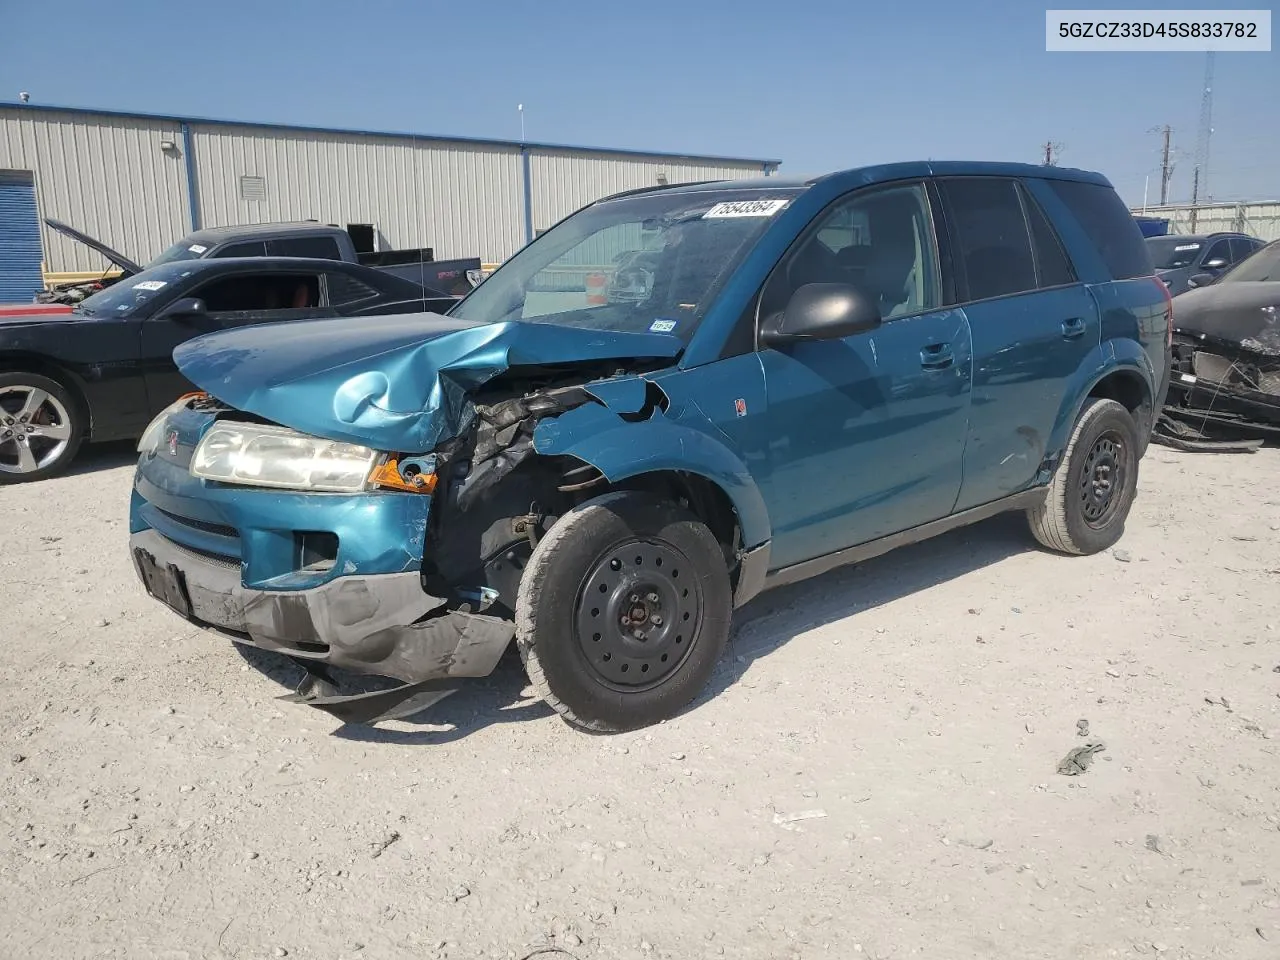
point(1109, 226)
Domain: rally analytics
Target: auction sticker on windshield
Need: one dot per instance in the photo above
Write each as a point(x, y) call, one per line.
point(149, 285)
point(745, 208)
point(197, 248)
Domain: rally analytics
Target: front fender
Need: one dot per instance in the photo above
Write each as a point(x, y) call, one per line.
point(620, 450)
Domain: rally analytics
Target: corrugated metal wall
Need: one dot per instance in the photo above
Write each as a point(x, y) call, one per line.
point(460, 199)
point(563, 181)
point(1261, 220)
point(106, 175)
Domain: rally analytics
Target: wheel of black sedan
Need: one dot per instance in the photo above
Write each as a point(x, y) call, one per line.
point(1090, 495)
point(40, 428)
point(623, 611)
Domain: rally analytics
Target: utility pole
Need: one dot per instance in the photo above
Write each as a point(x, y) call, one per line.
point(1050, 148)
point(1195, 197)
point(1166, 168)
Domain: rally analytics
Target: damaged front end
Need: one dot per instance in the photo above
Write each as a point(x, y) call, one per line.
point(1223, 397)
point(413, 577)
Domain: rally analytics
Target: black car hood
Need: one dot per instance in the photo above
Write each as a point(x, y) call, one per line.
point(35, 318)
point(126, 265)
point(1244, 313)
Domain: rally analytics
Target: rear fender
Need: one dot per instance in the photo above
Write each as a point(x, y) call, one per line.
point(1108, 358)
point(620, 450)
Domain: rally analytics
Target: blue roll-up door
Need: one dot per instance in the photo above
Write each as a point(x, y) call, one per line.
point(20, 277)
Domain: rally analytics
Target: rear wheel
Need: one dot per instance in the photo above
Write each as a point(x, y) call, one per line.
point(1090, 495)
point(623, 611)
point(40, 427)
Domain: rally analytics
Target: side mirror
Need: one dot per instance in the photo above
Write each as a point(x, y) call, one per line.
point(822, 311)
point(1217, 263)
point(1200, 280)
point(186, 310)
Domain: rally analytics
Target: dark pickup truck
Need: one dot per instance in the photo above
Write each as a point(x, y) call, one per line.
point(300, 239)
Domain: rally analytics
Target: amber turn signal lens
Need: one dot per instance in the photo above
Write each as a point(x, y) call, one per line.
point(387, 476)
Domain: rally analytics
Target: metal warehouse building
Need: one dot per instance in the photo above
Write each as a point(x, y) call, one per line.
point(139, 182)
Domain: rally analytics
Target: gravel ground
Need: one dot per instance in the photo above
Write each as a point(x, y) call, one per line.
point(873, 772)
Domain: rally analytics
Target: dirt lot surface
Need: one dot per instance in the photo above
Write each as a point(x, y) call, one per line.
point(872, 774)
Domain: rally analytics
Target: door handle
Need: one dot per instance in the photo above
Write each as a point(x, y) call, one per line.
point(1073, 328)
point(936, 356)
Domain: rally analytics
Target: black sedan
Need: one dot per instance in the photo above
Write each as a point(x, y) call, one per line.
point(103, 370)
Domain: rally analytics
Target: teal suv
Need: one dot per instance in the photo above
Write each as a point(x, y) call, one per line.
point(672, 400)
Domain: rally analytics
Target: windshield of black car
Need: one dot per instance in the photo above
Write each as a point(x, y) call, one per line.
point(647, 263)
point(126, 297)
point(1261, 266)
point(185, 249)
point(1170, 253)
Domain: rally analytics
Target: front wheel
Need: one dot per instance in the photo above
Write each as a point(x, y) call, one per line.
point(40, 427)
point(623, 611)
point(1088, 500)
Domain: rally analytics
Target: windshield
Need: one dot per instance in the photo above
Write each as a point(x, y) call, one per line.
point(652, 262)
point(184, 249)
point(128, 296)
point(1170, 253)
point(1262, 265)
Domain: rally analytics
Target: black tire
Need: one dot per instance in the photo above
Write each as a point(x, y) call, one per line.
point(623, 611)
point(44, 445)
point(1088, 500)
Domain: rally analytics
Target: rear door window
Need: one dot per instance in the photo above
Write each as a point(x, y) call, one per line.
point(1109, 225)
point(320, 248)
point(990, 245)
point(1241, 247)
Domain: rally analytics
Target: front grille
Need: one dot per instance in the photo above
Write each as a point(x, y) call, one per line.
point(220, 559)
point(217, 529)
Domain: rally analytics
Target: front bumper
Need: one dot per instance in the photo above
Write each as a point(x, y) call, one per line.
point(377, 625)
point(226, 559)
point(382, 625)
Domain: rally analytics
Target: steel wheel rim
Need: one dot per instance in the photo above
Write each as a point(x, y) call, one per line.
point(35, 429)
point(637, 631)
point(1103, 479)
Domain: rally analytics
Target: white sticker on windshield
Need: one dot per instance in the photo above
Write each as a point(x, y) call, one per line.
point(196, 248)
point(1186, 246)
point(149, 285)
point(662, 326)
point(745, 208)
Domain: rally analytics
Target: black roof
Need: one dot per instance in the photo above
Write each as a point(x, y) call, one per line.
point(1199, 237)
point(212, 235)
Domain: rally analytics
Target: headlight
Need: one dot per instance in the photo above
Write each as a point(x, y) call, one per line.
point(267, 456)
point(154, 434)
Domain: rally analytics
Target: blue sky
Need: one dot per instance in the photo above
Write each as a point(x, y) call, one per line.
point(821, 85)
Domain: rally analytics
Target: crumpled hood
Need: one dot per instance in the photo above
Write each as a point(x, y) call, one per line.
point(1245, 313)
point(396, 383)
